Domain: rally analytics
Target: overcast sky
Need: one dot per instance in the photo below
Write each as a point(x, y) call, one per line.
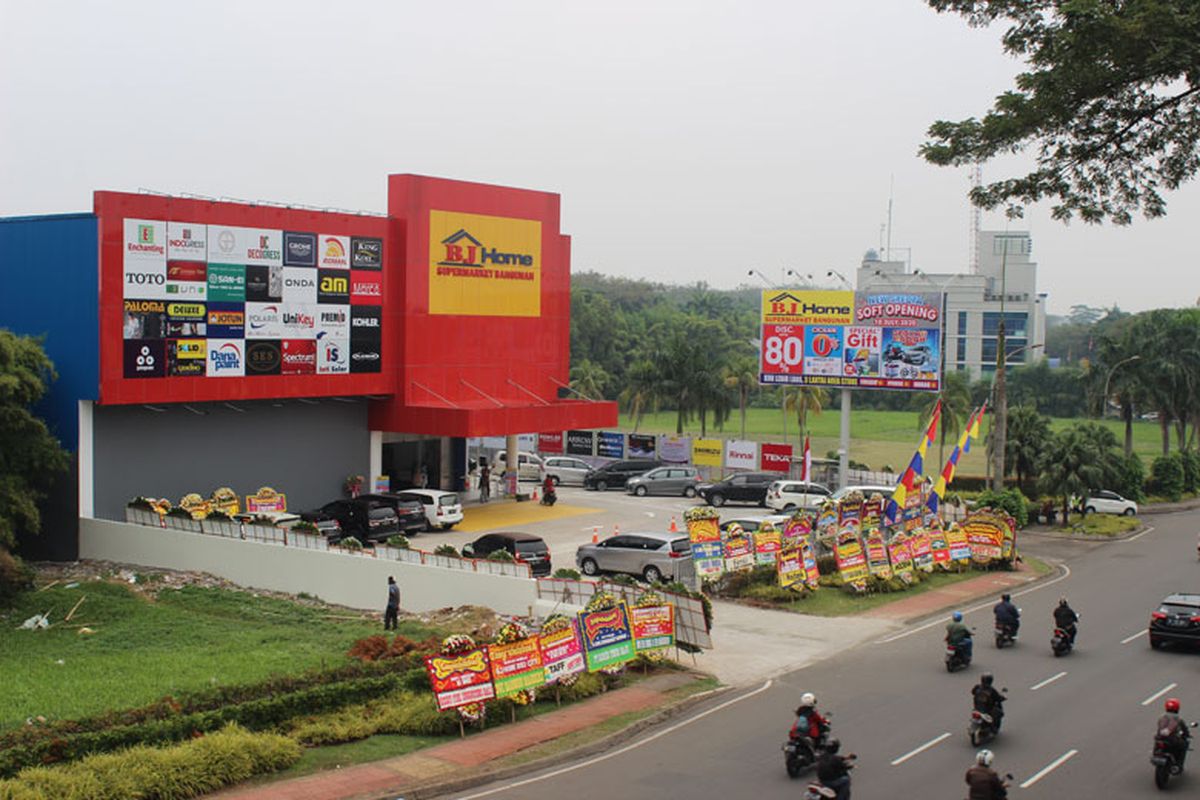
point(689, 140)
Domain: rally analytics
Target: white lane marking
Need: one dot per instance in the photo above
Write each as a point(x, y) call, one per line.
point(986, 604)
point(897, 762)
point(620, 751)
point(1140, 535)
point(1159, 693)
point(1046, 770)
point(1046, 682)
point(1129, 639)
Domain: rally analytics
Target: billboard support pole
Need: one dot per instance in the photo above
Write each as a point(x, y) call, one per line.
point(844, 442)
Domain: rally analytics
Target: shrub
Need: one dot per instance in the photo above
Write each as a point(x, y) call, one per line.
point(304, 526)
point(1011, 501)
point(1191, 470)
point(142, 503)
point(350, 543)
point(1167, 476)
point(399, 541)
point(771, 593)
point(187, 770)
point(1131, 478)
point(501, 555)
point(15, 577)
point(588, 685)
point(179, 511)
point(567, 574)
point(446, 550)
point(827, 564)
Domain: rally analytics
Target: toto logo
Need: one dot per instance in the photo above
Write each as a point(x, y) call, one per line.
point(145, 279)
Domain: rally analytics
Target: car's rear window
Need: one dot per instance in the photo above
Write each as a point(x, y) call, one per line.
point(381, 512)
point(680, 545)
point(448, 500)
point(1175, 608)
point(531, 547)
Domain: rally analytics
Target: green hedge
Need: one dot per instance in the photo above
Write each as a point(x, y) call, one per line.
point(188, 770)
point(48, 745)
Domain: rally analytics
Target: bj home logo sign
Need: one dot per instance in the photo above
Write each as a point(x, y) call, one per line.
point(484, 266)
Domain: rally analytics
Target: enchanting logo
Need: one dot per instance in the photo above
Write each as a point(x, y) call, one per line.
point(145, 234)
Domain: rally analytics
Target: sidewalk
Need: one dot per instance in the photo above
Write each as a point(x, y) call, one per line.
point(457, 760)
point(958, 594)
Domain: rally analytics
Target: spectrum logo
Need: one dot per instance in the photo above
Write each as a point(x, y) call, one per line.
point(464, 250)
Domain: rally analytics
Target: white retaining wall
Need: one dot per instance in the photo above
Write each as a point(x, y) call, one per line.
point(355, 581)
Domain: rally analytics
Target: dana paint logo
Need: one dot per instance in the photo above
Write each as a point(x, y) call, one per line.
point(464, 250)
point(225, 359)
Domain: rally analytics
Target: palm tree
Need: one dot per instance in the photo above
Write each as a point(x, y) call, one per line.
point(641, 386)
point(588, 379)
point(742, 377)
point(1027, 435)
point(955, 398)
point(1070, 468)
point(804, 400)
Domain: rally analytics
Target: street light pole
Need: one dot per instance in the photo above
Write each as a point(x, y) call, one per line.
point(1000, 423)
point(1104, 404)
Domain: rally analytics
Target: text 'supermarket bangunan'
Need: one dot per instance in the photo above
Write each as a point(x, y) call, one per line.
point(202, 344)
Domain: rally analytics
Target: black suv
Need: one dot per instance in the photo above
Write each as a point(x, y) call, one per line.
point(524, 547)
point(747, 487)
point(364, 519)
point(613, 475)
point(1177, 620)
point(411, 513)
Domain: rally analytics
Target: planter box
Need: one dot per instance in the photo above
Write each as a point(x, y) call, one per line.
point(264, 533)
point(222, 527)
point(183, 524)
point(142, 516)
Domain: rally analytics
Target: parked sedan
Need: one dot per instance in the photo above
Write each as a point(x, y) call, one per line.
point(790, 495)
point(615, 474)
point(523, 547)
point(745, 487)
point(1106, 502)
point(650, 556)
point(1177, 620)
point(442, 509)
point(665, 480)
point(410, 513)
point(566, 471)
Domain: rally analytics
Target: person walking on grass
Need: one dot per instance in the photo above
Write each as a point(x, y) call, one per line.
point(392, 610)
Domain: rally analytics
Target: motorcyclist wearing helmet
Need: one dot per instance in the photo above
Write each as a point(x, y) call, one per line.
point(833, 770)
point(809, 721)
point(1173, 730)
point(988, 700)
point(958, 634)
point(983, 781)
point(1007, 615)
point(1065, 618)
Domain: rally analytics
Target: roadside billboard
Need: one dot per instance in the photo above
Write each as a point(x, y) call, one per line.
point(863, 340)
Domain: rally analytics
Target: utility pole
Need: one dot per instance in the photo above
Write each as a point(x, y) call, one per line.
point(1001, 412)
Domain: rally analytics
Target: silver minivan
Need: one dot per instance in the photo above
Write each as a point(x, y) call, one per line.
point(651, 556)
point(529, 466)
point(674, 481)
point(567, 471)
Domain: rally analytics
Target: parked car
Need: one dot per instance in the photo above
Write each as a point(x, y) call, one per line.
point(411, 513)
point(443, 510)
point(1177, 620)
point(866, 490)
point(790, 495)
point(614, 474)
point(1106, 502)
point(529, 466)
point(745, 487)
point(365, 520)
point(665, 480)
point(752, 524)
point(567, 471)
point(651, 556)
point(524, 547)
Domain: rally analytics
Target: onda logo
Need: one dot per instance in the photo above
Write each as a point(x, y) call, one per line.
point(464, 250)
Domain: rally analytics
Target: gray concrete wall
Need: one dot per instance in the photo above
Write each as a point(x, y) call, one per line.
point(305, 451)
point(350, 580)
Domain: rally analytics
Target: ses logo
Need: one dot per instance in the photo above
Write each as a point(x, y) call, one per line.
point(464, 250)
point(225, 359)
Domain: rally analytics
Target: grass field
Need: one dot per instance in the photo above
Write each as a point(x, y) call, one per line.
point(187, 639)
point(878, 438)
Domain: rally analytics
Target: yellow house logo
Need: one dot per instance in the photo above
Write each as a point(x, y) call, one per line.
point(482, 265)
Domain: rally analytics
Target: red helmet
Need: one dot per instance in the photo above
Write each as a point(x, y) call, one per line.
point(1172, 705)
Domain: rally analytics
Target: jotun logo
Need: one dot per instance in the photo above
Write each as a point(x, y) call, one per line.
point(464, 250)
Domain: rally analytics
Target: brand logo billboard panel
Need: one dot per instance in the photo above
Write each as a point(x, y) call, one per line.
point(299, 249)
point(484, 266)
point(264, 284)
point(366, 253)
point(333, 355)
point(187, 241)
point(263, 357)
point(333, 252)
point(145, 240)
point(299, 285)
point(226, 358)
point(230, 245)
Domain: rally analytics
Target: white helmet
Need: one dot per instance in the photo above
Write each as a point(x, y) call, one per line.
point(808, 699)
point(984, 758)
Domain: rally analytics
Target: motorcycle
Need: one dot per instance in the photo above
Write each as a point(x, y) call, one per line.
point(958, 656)
point(819, 791)
point(1164, 760)
point(983, 726)
point(1061, 642)
point(1006, 635)
point(800, 752)
point(549, 498)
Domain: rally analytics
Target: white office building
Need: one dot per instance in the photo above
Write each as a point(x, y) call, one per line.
point(1003, 285)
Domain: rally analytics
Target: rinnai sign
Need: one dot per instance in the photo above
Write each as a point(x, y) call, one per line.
point(864, 340)
point(484, 266)
point(741, 455)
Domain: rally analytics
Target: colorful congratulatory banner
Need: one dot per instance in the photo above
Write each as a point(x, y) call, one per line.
point(460, 680)
point(516, 666)
point(607, 637)
point(653, 627)
point(562, 652)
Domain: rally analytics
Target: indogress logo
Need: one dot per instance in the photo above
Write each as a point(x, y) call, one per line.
point(464, 250)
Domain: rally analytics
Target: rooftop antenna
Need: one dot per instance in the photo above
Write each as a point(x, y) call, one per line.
point(976, 219)
point(891, 194)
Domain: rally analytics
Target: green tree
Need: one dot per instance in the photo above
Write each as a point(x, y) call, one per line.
point(802, 401)
point(1109, 103)
point(589, 379)
point(1028, 433)
point(641, 385)
point(742, 377)
point(30, 457)
point(1069, 468)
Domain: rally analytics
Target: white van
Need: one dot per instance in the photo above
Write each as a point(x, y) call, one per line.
point(529, 466)
point(787, 495)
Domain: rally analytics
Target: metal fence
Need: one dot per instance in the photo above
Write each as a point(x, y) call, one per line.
point(690, 627)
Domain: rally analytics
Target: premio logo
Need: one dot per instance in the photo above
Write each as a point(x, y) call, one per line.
point(464, 250)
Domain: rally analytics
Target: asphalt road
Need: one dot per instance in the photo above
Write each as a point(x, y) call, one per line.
point(1076, 727)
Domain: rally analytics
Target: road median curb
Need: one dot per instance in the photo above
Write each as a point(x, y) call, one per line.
point(489, 775)
point(1086, 537)
point(1056, 571)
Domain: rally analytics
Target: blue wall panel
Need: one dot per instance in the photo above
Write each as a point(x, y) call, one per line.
point(49, 272)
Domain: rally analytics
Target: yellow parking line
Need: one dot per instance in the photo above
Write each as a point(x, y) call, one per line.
point(511, 514)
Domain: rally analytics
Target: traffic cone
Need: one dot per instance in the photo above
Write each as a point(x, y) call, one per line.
point(595, 534)
point(533, 496)
point(674, 528)
point(616, 530)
